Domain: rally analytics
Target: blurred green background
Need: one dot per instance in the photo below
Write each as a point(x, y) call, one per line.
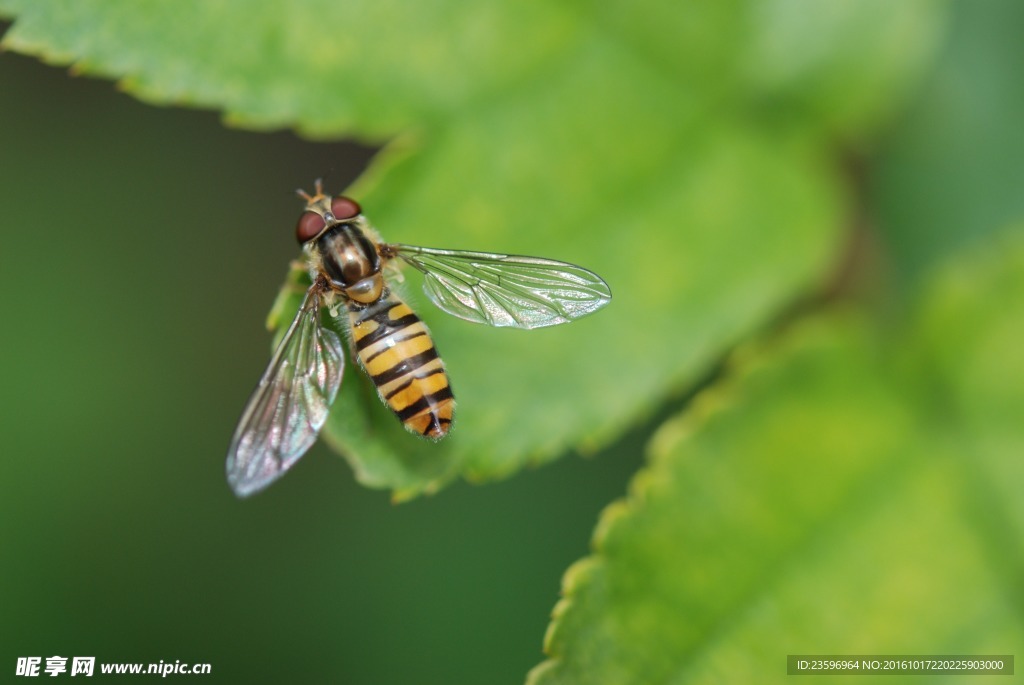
point(141, 249)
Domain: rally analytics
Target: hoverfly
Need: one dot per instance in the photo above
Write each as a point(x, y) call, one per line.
point(346, 259)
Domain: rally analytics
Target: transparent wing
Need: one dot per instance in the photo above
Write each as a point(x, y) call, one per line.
point(290, 404)
point(506, 290)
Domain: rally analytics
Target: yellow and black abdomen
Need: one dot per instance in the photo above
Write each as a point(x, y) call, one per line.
point(396, 350)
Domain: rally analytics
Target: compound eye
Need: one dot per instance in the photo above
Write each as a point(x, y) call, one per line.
point(343, 208)
point(309, 226)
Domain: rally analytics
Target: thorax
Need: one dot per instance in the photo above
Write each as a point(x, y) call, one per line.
point(348, 259)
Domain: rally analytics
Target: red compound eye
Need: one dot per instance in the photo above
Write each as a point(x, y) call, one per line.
point(309, 226)
point(343, 208)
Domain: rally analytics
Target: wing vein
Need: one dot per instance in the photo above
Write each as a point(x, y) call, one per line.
point(506, 290)
point(291, 402)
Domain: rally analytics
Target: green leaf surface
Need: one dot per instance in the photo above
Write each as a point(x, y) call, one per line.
point(971, 328)
point(525, 395)
point(367, 66)
point(842, 67)
point(594, 136)
point(823, 503)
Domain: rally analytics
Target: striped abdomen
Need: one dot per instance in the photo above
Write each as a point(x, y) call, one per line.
point(395, 348)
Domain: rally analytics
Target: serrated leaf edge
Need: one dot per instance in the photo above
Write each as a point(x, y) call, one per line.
point(705, 408)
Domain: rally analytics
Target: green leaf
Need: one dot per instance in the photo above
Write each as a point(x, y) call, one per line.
point(525, 396)
point(366, 66)
point(839, 66)
point(823, 503)
point(971, 327)
point(536, 129)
